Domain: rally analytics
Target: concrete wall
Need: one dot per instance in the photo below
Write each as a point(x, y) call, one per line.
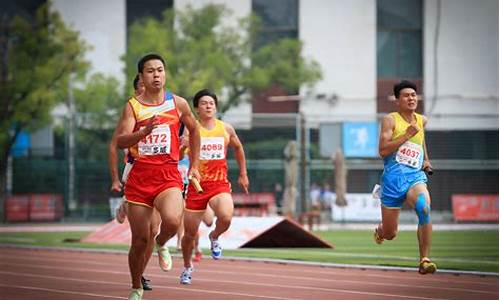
point(341, 36)
point(465, 82)
point(102, 25)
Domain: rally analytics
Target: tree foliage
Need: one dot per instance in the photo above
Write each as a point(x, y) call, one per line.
point(203, 52)
point(37, 57)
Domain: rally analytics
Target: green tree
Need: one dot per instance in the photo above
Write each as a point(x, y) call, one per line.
point(201, 52)
point(37, 57)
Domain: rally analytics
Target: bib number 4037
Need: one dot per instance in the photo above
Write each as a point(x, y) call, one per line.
point(410, 154)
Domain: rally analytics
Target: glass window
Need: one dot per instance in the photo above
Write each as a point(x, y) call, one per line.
point(138, 9)
point(279, 20)
point(399, 38)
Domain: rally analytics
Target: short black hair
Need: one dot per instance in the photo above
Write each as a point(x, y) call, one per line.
point(146, 58)
point(403, 85)
point(201, 93)
point(136, 82)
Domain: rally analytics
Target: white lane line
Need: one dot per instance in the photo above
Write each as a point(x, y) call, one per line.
point(185, 289)
point(281, 286)
point(302, 278)
point(11, 287)
point(290, 262)
point(300, 270)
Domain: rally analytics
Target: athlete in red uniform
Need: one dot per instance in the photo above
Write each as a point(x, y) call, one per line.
point(117, 186)
point(216, 136)
point(149, 127)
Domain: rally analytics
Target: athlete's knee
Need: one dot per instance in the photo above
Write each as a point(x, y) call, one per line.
point(171, 223)
point(153, 231)
point(423, 210)
point(139, 241)
point(189, 236)
point(224, 219)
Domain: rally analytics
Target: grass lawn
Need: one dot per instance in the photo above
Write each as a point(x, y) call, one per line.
point(456, 250)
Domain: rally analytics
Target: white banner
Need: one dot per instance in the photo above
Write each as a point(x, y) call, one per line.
point(242, 230)
point(360, 207)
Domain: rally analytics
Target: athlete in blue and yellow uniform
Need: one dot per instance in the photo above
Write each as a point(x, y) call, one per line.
point(402, 146)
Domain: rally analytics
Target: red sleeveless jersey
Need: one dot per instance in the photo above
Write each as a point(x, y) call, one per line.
point(162, 144)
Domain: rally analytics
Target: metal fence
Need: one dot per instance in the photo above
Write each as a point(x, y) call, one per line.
point(465, 162)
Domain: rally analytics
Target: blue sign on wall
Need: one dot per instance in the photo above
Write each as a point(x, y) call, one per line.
point(360, 139)
point(21, 145)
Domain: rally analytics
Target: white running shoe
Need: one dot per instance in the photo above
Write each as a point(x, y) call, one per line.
point(215, 248)
point(186, 275)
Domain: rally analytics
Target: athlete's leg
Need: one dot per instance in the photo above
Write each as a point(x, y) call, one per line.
point(170, 206)
point(222, 205)
point(154, 228)
point(208, 219)
point(180, 233)
point(192, 221)
point(139, 217)
point(388, 228)
point(418, 197)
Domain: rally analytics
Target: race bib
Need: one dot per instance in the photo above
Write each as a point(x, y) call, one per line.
point(157, 142)
point(410, 154)
point(212, 148)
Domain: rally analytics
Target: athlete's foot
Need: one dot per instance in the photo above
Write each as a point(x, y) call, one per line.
point(145, 284)
point(164, 258)
point(197, 256)
point(186, 275)
point(426, 266)
point(376, 237)
point(135, 294)
point(215, 248)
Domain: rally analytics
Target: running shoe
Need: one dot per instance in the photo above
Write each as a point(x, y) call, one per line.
point(377, 238)
point(164, 258)
point(197, 256)
point(215, 248)
point(121, 213)
point(145, 284)
point(186, 276)
point(426, 266)
point(135, 294)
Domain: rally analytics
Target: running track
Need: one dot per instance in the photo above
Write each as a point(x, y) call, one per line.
point(38, 274)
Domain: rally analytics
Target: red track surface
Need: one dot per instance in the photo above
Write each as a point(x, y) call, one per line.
point(58, 274)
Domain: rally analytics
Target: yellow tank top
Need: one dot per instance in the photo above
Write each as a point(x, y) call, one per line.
point(400, 126)
point(213, 151)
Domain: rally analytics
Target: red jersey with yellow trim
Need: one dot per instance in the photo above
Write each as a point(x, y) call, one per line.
point(162, 144)
point(213, 150)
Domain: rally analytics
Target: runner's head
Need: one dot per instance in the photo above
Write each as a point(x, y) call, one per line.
point(205, 104)
point(406, 95)
point(138, 85)
point(151, 70)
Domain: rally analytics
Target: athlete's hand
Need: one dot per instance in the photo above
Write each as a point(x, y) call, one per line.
point(151, 124)
point(412, 130)
point(116, 186)
point(184, 142)
point(243, 182)
point(427, 167)
point(194, 173)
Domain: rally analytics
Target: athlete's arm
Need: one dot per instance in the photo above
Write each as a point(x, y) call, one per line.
point(126, 136)
point(184, 144)
point(427, 163)
point(239, 155)
point(194, 139)
point(116, 185)
point(386, 146)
